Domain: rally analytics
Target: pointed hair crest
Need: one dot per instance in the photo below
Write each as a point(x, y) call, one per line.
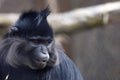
point(32, 23)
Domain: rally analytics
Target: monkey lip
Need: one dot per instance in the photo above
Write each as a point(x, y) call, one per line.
point(40, 62)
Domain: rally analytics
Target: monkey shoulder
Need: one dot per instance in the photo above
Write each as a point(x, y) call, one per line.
point(66, 70)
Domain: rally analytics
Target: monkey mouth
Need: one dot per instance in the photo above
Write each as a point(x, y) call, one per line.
point(40, 62)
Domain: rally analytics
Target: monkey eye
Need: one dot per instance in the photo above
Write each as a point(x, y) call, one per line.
point(36, 41)
point(47, 42)
point(40, 41)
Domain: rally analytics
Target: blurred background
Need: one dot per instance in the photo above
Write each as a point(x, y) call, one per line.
point(88, 30)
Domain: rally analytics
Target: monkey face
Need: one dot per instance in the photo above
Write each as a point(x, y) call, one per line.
point(39, 57)
point(42, 55)
point(34, 55)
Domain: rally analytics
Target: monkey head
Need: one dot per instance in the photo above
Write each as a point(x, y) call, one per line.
point(30, 42)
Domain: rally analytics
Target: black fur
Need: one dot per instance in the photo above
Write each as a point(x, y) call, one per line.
point(31, 24)
point(28, 52)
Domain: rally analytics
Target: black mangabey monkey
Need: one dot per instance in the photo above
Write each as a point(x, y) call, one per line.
point(28, 52)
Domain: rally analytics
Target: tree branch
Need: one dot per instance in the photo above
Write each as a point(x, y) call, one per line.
point(74, 20)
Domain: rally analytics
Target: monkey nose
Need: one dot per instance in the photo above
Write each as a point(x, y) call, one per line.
point(44, 57)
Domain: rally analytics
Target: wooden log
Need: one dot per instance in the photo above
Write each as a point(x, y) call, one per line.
point(84, 17)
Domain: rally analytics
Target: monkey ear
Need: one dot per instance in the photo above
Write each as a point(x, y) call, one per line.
point(13, 29)
point(10, 31)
